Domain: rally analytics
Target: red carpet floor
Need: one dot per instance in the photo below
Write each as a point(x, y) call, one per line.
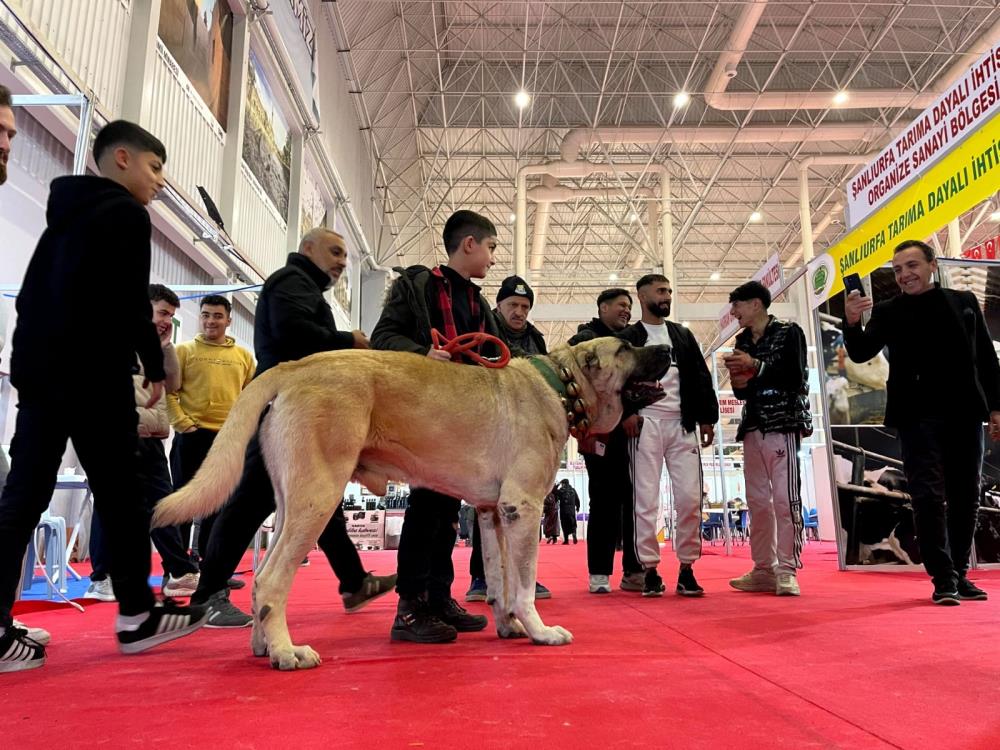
point(861, 660)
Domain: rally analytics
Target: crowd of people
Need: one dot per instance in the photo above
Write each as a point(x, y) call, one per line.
point(139, 385)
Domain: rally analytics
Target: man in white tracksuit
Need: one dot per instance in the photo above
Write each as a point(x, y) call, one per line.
point(672, 430)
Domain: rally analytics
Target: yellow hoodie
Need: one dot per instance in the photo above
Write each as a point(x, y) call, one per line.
point(212, 377)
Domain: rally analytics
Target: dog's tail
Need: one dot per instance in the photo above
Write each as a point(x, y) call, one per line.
point(220, 472)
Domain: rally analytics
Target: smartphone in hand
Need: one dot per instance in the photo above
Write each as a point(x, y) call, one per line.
point(852, 283)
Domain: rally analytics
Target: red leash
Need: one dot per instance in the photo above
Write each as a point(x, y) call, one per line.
point(466, 342)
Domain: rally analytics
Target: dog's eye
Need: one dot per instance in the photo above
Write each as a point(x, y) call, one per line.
point(591, 360)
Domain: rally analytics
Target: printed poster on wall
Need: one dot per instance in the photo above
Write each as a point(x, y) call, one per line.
point(199, 36)
point(267, 141)
point(298, 34)
point(366, 528)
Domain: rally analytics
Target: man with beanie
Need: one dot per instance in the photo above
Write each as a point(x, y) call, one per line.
point(514, 301)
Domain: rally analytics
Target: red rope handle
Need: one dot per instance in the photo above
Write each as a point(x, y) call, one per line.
point(466, 342)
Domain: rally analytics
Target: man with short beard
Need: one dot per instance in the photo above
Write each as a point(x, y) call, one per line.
point(7, 130)
point(674, 429)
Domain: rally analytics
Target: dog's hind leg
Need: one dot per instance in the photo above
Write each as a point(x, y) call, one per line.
point(519, 518)
point(310, 497)
point(497, 584)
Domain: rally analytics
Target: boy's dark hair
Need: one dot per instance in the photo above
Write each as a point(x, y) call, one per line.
point(651, 278)
point(216, 299)
point(461, 224)
point(125, 133)
point(751, 290)
point(5, 100)
point(160, 293)
point(609, 294)
point(907, 244)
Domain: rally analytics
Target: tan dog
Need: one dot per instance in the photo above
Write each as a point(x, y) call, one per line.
point(492, 437)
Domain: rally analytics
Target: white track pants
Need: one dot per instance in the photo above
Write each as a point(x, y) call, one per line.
point(665, 440)
point(771, 470)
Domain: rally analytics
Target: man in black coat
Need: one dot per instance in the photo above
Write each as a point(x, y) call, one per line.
point(607, 460)
point(292, 321)
point(569, 506)
point(944, 382)
point(514, 301)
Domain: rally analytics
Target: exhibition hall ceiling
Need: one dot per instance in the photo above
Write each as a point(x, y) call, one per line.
point(769, 85)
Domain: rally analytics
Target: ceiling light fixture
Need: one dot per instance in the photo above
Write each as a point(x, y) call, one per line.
point(756, 216)
point(612, 277)
point(513, 218)
point(681, 98)
point(715, 276)
point(521, 99)
point(634, 216)
point(840, 97)
point(995, 216)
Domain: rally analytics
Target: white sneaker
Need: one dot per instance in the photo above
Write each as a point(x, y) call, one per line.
point(101, 590)
point(39, 635)
point(787, 585)
point(756, 581)
point(600, 585)
point(186, 585)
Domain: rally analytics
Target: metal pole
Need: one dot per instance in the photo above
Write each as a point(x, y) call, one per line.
point(727, 532)
point(82, 148)
point(821, 371)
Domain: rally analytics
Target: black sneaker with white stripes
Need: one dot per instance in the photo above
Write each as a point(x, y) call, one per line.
point(19, 652)
point(165, 622)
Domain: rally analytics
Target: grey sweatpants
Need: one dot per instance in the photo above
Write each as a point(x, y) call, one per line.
point(771, 470)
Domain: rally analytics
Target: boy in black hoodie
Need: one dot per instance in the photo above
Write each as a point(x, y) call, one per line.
point(98, 233)
point(422, 299)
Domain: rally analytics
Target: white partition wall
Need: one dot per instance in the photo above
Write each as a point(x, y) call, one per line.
point(260, 230)
point(89, 36)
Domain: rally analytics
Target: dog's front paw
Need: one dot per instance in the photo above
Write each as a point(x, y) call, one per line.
point(553, 636)
point(296, 657)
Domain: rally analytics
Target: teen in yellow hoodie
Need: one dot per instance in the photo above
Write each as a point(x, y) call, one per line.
point(213, 372)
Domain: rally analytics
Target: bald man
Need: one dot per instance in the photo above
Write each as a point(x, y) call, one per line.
point(293, 320)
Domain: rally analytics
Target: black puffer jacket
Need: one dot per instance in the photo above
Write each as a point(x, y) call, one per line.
point(778, 398)
point(405, 324)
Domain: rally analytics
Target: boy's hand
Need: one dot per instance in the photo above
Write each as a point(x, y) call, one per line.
point(439, 354)
point(632, 425)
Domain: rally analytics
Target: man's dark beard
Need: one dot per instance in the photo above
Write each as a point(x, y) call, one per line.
point(3, 173)
point(659, 309)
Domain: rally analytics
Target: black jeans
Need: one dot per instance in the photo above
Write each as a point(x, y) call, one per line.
point(102, 427)
point(238, 521)
point(155, 479)
point(186, 456)
point(426, 542)
point(943, 463)
point(610, 491)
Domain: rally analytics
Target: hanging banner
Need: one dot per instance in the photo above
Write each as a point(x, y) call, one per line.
point(298, 34)
point(957, 113)
point(966, 177)
point(770, 275)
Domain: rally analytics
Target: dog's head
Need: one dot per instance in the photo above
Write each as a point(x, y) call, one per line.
point(609, 370)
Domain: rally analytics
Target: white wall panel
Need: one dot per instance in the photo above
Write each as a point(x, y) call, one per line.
point(91, 37)
point(194, 139)
point(260, 231)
